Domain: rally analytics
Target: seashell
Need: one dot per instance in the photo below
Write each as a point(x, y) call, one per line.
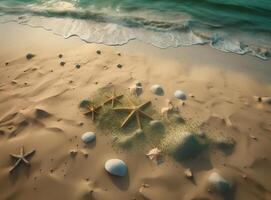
point(157, 89)
point(180, 95)
point(88, 137)
point(116, 167)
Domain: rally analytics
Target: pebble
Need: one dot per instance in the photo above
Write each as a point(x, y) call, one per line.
point(119, 66)
point(180, 95)
point(244, 176)
point(105, 67)
point(14, 82)
point(191, 95)
point(157, 89)
point(88, 137)
point(80, 123)
point(116, 167)
point(188, 173)
point(253, 137)
point(60, 55)
point(98, 52)
point(62, 63)
point(73, 152)
point(29, 56)
point(6, 63)
point(77, 66)
point(145, 185)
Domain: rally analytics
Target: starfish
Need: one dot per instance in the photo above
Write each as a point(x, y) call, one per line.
point(135, 110)
point(113, 98)
point(92, 109)
point(21, 158)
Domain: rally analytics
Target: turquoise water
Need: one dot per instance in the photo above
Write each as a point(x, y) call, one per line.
point(238, 26)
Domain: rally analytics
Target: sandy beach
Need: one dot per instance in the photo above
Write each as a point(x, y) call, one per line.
point(39, 110)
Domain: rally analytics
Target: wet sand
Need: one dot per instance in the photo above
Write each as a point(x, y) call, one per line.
point(39, 110)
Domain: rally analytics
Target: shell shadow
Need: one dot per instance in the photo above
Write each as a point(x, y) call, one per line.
point(90, 145)
point(122, 183)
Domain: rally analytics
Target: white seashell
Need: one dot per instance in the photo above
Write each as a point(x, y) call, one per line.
point(157, 89)
point(116, 167)
point(88, 137)
point(180, 95)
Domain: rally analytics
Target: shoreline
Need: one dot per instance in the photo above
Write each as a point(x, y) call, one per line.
point(223, 86)
point(230, 61)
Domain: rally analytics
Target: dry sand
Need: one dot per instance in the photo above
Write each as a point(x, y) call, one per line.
point(39, 110)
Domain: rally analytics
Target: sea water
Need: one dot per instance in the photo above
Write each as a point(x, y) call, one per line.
point(238, 26)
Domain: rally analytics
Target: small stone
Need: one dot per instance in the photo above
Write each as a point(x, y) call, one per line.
point(257, 98)
point(73, 152)
point(119, 66)
point(138, 83)
point(188, 173)
point(60, 55)
point(116, 167)
point(29, 56)
point(180, 95)
point(62, 63)
point(14, 82)
point(244, 176)
point(119, 54)
point(191, 95)
point(157, 89)
point(98, 52)
point(77, 66)
point(80, 123)
point(6, 63)
point(88, 137)
point(105, 68)
point(52, 70)
point(145, 185)
point(71, 81)
point(96, 83)
point(51, 170)
point(25, 83)
point(253, 137)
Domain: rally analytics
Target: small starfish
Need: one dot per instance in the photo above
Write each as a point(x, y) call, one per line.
point(113, 98)
point(135, 110)
point(92, 109)
point(21, 158)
